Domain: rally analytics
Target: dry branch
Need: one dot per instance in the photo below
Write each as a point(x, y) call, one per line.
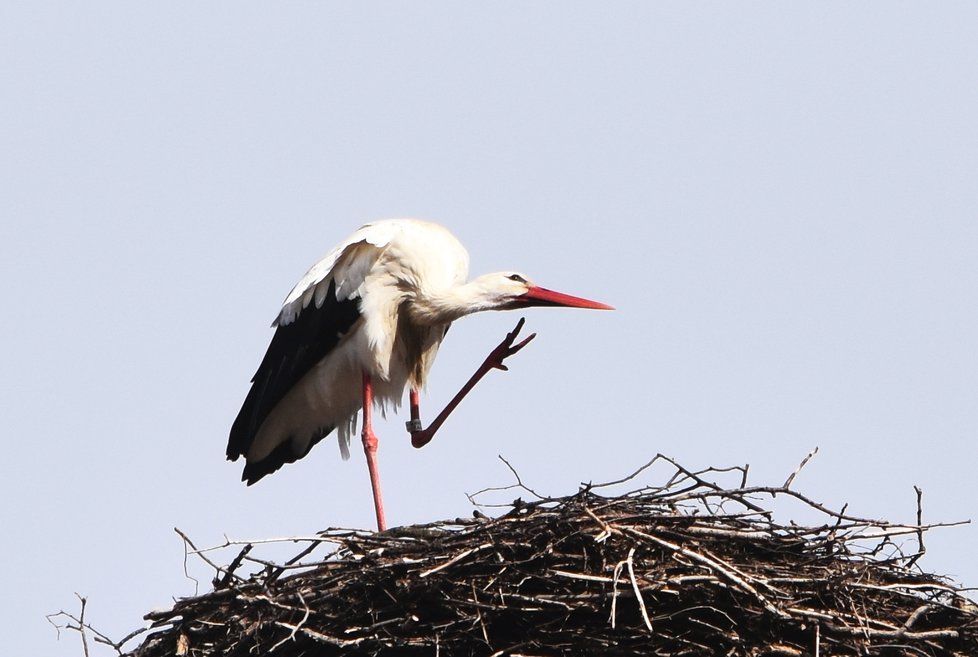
point(686, 568)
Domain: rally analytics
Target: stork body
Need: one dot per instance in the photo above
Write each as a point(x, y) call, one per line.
point(364, 323)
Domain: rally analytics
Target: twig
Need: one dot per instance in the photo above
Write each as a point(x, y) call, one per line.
point(492, 489)
point(629, 477)
point(235, 564)
point(81, 624)
point(921, 550)
point(519, 480)
point(917, 615)
point(454, 560)
point(82, 627)
point(638, 592)
point(804, 461)
point(582, 576)
point(298, 626)
point(606, 530)
point(614, 587)
point(186, 553)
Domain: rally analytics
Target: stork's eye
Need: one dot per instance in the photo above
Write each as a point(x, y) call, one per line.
point(516, 278)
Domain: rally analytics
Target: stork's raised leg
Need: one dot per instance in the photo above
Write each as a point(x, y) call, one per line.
point(370, 449)
point(420, 437)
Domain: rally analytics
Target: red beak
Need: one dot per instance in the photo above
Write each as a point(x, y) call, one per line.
point(541, 296)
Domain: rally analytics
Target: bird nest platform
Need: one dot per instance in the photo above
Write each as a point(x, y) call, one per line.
point(689, 567)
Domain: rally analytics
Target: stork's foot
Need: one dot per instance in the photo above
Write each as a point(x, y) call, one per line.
point(506, 348)
point(494, 361)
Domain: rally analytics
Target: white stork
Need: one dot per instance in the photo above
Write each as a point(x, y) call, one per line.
point(364, 322)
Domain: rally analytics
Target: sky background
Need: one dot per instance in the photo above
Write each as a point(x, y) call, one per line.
point(779, 199)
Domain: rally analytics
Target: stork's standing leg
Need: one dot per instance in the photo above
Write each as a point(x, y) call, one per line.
point(370, 449)
point(420, 437)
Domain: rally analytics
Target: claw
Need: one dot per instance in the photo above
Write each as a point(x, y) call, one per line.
point(522, 344)
point(506, 348)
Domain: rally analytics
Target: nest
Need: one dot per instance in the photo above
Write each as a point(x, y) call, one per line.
point(691, 567)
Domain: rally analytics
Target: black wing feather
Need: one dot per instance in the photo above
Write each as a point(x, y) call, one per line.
point(295, 349)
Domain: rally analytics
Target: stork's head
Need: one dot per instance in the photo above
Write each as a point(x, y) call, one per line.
point(510, 291)
point(501, 291)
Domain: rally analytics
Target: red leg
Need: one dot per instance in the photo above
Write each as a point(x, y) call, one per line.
point(370, 449)
point(420, 437)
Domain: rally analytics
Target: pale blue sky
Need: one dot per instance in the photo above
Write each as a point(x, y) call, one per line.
point(779, 198)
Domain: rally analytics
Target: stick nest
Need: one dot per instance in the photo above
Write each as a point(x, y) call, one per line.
point(690, 567)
